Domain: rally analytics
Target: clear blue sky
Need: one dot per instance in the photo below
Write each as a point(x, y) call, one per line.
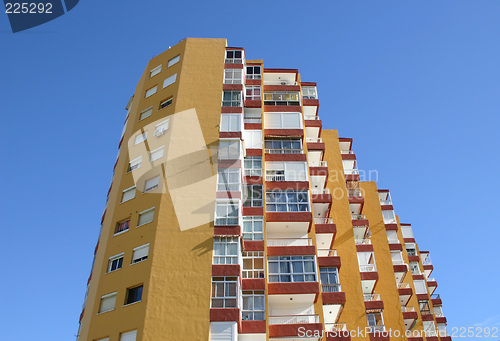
point(415, 83)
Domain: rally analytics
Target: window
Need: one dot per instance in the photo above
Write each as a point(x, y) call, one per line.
point(229, 179)
point(392, 237)
point(156, 154)
point(128, 194)
point(133, 295)
point(252, 196)
point(166, 103)
point(151, 184)
point(234, 57)
point(107, 302)
point(146, 113)
point(254, 306)
point(231, 99)
point(134, 164)
point(286, 171)
point(224, 292)
point(160, 128)
point(253, 264)
point(252, 93)
point(411, 249)
point(226, 250)
point(309, 92)
point(233, 76)
point(366, 262)
point(223, 331)
point(141, 138)
point(155, 71)
point(252, 116)
point(281, 98)
point(122, 226)
point(420, 287)
point(253, 139)
point(389, 217)
point(415, 268)
point(146, 217)
point(173, 61)
point(226, 212)
point(151, 92)
point(329, 279)
point(253, 72)
point(253, 228)
point(286, 269)
point(287, 201)
point(140, 253)
point(229, 149)
point(115, 262)
point(128, 336)
point(429, 328)
point(230, 122)
point(283, 146)
point(375, 322)
point(283, 120)
point(253, 166)
point(105, 339)
point(169, 81)
point(407, 231)
point(397, 257)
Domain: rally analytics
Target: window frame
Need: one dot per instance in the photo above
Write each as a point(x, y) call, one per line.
point(135, 162)
point(329, 277)
point(279, 277)
point(174, 61)
point(150, 109)
point(142, 137)
point(139, 259)
point(151, 91)
point(149, 189)
point(233, 76)
point(169, 81)
point(226, 250)
point(252, 171)
point(283, 122)
point(227, 218)
point(118, 224)
point(126, 191)
point(153, 70)
point(234, 59)
point(144, 212)
point(111, 261)
point(253, 272)
point(227, 120)
point(277, 146)
point(140, 288)
point(253, 233)
point(281, 98)
point(272, 203)
point(253, 194)
point(250, 93)
point(235, 98)
point(107, 296)
point(227, 282)
point(166, 103)
point(306, 92)
point(225, 180)
point(284, 173)
point(157, 150)
point(253, 75)
point(230, 146)
point(248, 298)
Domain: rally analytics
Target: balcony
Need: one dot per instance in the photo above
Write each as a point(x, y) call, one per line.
point(328, 258)
point(325, 232)
point(363, 241)
point(436, 300)
point(328, 288)
point(283, 151)
point(410, 316)
point(327, 253)
point(287, 326)
point(318, 164)
point(337, 332)
point(313, 126)
point(373, 302)
point(281, 98)
point(405, 292)
point(432, 285)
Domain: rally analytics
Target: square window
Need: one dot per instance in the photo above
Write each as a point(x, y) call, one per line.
point(253, 72)
point(122, 226)
point(230, 122)
point(140, 253)
point(150, 92)
point(229, 149)
point(107, 302)
point(134, 164)
point(169, 81)
point(128, 336)
point(227, 212)
point(133, 295)
point(157, 154)
point(140, 138)
point(234, 56)
point(229, 180)
point(253, 228)
point(146, 113)
point(151, 184)
point(155, 71)
point(231, 99)
point(146, 217)
point(233, 76)
point(128, 194)
point(115, 262)
point(253, 166)
point(226, 250)
point(174, 60)
point(166, 103)
point(224, 292)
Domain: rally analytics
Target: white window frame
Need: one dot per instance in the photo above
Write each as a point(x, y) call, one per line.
point(389, 217)
point(110, 296)
point(170, 80)
point(253, 195)
point(249, 231)
point(141, 138)
point(374, 322)
point(252, 170)
point(283, 171)
point(248, 310)
point(161, 128)
point(233, 76)
point(234, 100)
point(150, 188)
point(145, 113)
point(227, 149)
point(420, 286)
point(415, 268)
point(229, 180)
point(134, 164)
point(235, 59)
point(329, 278)
point(277, 146)
point(253, 93)
point(126, 196)
point(154, 71)
point(227, 219)
point(392, 237)
point(221, 288)
point(144, 212)
point(118, 225)
point(249, 268)
point(129, 336)
point(254, 75)
point(252, 138)
point(226, 250)
point(281, 98)
point(309, 92)
point(115, 258)
point(366, 261)
point(157, 154)
point(288, 204)
point(174, 61)
point(293, 274)
point(230, 122)
point(283, 120)
point(166, 103)
point(151, 91)
point(136, 259)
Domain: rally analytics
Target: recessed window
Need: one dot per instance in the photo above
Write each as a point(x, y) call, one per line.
point(253, 228)
point(234, 56)
point(226, 250)
point(224, 292)
point(287, 201)
point(309, 92)
point(146, 113)
point(140, 253)
point(283, 120)
point(128, 336)
point(140, 138)
point(252, 196)
point(230, 122)
point(122, 226)
point(174, 60)
point(146, 217)
point(229, 179)
point(155, 71)
point(115, 262)
point(254, 306)
point(156, 154)
point(169, 81)
point(151, 184)
point(107, 302)
point(252, 93)
point(229, 149)
point(151, 92)
point(389, 217)
point(134, 164)
point(233, 76)
point(253, 166)
point(253, 72)
point(161, 128)
point(231, 99)
point(226, 212)
point(166, 103)
point(128, 194)
point(133, 295)
point(285, 269)
point(286, 171)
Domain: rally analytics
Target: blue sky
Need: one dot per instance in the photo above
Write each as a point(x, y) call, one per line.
point(415, 83)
